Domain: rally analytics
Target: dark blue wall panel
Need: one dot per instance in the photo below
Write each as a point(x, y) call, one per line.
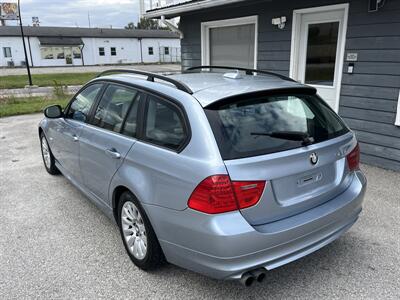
point(368, 97)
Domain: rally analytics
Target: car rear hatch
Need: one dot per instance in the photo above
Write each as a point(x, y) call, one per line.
point(292, 141)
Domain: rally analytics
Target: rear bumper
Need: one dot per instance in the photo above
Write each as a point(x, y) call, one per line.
point(225, 246)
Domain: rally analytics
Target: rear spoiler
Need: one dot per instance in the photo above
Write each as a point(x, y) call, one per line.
point(304, 90)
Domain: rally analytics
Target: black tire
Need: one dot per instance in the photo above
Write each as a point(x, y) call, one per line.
point(51, 168)
point(154, 257)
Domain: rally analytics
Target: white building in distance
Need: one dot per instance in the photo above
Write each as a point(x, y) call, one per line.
point(69, 46)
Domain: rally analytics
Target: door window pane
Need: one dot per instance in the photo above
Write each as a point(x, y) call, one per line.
point(321, 53)
point(81, 105)
point(68, 55)
point(113, 107)
point(164, 125)
point(232, 46)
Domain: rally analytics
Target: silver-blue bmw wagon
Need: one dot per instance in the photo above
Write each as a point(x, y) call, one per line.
point(226, 172)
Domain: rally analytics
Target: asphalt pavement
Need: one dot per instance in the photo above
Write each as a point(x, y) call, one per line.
point(54, 243)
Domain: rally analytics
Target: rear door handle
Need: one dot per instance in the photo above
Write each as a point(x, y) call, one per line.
point(75, 138)
point(113, 153)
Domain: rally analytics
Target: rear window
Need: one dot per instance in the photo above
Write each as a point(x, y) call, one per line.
point(264, 125)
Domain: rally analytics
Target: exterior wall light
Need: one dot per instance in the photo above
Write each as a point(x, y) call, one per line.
point(280, 22)
point(375, 5)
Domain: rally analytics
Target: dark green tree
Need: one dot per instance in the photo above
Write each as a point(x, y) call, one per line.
point(145, 23)
point(130, 25)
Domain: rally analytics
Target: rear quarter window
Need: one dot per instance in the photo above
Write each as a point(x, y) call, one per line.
point(164, 124)
point(255, 126)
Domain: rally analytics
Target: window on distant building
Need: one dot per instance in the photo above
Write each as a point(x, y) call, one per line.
point(76, 52)
point(151, 51)
point(53, 52)
point(101, 51)
point(47, 53)
point(113, 51)
point(7, 51)
point(59, 52)
point(166, 50)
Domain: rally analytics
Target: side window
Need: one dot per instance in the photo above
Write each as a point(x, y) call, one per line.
point(113, 51)
point(151, 51)
point(113, 107)
point(164, 124)
point(81, 105)
point(101, 51)
point(130, 126)
point(7, 51)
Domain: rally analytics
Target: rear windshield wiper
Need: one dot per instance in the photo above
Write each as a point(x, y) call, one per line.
point(304, 137)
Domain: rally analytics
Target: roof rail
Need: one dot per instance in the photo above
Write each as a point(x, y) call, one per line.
point(150, 77)
point(248, 71)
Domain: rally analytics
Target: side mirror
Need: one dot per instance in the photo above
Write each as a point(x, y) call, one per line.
point(53, 112)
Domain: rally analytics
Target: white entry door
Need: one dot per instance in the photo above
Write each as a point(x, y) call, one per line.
point(318, 40)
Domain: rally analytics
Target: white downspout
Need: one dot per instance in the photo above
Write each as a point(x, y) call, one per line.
point(397, 122)
point(172, 27)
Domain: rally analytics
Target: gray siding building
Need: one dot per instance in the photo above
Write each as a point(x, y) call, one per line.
point(349, 50)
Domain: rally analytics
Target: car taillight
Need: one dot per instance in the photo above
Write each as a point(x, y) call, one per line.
point(248, 193)
point(218, 194)
point(353, 158)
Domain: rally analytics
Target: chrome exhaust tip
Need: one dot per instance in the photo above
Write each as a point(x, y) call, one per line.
point(247, 279)
point(259, 274)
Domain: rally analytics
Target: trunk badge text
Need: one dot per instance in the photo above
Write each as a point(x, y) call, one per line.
point(314, 158)
point(309, 179)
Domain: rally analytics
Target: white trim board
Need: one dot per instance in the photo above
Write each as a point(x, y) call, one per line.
point(295, 41)
point(397, 122)
point(205, 35)
point(174, 11)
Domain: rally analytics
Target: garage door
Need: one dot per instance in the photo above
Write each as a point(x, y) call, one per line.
point(232, 46)
point(230, 42)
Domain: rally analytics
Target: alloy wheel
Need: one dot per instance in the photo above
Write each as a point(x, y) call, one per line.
point(134, 231)
point(46, 153)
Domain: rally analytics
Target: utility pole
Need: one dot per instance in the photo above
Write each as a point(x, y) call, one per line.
point(88, 16)
point(23, 42)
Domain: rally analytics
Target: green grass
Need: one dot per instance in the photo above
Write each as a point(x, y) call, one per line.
point(20, 81)
point(20, 106)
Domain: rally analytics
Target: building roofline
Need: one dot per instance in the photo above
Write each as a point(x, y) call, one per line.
point(193, 5)
point(82, 32)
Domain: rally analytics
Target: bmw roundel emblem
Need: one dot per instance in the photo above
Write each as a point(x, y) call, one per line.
point(314, 158)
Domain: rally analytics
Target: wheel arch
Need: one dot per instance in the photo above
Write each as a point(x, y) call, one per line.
point(117, 192)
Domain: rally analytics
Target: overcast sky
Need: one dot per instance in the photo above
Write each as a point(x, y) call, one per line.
point(103, 13)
